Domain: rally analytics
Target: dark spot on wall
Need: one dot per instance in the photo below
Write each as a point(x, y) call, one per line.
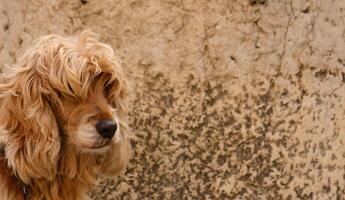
point(342, 62)
point(321, 74)
point(83, 1)
point(20, 41)
point(257, 2)
point(221, 159)
point(326, 188)
point(244, 151)
point(306, 10)
point(6, 27)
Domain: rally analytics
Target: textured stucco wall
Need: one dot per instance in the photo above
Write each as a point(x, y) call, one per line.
point(232, 99)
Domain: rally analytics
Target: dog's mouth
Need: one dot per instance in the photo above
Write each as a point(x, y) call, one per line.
point(100, 145)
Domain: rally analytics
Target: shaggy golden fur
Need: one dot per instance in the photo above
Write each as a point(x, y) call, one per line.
point(49, 104)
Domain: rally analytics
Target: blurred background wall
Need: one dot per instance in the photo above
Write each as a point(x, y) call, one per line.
point(231, 99)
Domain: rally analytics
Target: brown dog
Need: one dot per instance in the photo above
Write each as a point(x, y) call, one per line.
point(62, 119)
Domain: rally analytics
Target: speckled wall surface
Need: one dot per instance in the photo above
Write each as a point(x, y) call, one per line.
point(231, 99)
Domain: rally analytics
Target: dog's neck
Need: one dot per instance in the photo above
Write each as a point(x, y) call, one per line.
point(75, 171)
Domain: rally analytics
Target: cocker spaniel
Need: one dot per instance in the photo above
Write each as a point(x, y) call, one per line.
point(63, 119)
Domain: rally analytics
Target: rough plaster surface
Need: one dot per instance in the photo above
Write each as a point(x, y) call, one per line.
point(232, 99)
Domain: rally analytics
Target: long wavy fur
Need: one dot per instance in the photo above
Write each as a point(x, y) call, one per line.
point(37, 154)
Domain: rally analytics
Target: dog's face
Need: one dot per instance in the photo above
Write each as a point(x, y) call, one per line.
point(88, 92)
point(90, 124)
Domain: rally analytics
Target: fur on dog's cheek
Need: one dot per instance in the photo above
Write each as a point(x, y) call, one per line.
point(85, 136)
point(3, 136)
point(117, 136)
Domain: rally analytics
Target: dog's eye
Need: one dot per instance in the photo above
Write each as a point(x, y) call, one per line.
point(107, 89)
point(114, 106)
point(70, 87)
point(107, 93)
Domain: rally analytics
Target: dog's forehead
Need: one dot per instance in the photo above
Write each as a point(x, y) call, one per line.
point(79, 71)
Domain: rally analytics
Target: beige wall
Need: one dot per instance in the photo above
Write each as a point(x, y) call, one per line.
point(232, 99)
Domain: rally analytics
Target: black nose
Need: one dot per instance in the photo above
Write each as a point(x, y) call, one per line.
point(106, 128)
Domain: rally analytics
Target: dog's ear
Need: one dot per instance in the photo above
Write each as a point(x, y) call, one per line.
point(31, 136)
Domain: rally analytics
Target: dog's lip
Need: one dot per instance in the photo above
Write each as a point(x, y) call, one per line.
point(101, 145)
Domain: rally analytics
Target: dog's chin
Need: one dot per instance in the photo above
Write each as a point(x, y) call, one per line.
point(97, 148)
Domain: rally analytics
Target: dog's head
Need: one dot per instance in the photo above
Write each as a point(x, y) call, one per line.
point(65, 91)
